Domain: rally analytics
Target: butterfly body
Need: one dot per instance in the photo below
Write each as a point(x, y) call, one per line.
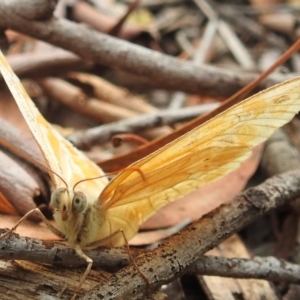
point(73, 219)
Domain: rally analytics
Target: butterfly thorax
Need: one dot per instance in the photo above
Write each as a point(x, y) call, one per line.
point(78, 219)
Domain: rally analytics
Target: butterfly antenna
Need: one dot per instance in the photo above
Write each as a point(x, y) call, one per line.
point(93, 178)
point(110, 174)
point(28, 158)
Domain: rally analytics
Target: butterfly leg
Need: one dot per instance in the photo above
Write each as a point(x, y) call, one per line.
point(43, 218)
point(120, 231)
point(89, 261)
point(132, 259)
point(40, 214)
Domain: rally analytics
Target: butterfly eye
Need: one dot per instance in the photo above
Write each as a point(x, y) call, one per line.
point(56, 196)
point(79, 202)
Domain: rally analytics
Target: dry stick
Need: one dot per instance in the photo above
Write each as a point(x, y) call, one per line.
point(43, 64)
point(178, 99)
point(199, 58)
point(75, 98)
point(108, 92)
point(180, 252)
point(255, 10)
point(268, 268)
point(237, 48)
point(165, 71)
point(16, 247)
point(184, 43)
point(100, 111)
point(58, 254)
point(85, 13)
point(207, 39)
point(120, 99)
point(86, 138)
point(249, 25)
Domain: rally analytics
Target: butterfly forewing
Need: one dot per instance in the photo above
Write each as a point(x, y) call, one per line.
point(61, 157)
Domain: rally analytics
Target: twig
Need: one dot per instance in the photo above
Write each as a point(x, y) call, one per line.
point(97, 135)
point(177, 100)
point(262, 9)
point(268, 268)
point(108, 92)
point(85, 13)
point(33, 10)
point(184, 43)
point(165, 71)
point(229, 37)
point(77, 100)
point(249, 25)
point(206, 42)
point(198, 57)
point(43, 64)
point(101, 111)
point(175, 256)
point(54, 253)
point(58, 254)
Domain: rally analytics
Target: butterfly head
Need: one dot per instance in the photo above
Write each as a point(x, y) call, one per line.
point(68, 202)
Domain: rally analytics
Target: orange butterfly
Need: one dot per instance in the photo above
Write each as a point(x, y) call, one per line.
point(97, 209)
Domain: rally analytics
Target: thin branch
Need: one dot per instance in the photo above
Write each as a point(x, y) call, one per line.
point(85, 13)
point(110, 93)
point(268, 268)
point(97, 135)
point(165, 71)
point(237, 48)
point(54, 253)
point(249, 25)
point(58, 254)
point(73, 97)
point(46, 64)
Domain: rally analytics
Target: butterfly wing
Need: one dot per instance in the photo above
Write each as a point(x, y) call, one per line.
point(61, 157)
point(201, 156)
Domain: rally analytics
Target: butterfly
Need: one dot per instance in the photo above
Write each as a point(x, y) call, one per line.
point(92, 212)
